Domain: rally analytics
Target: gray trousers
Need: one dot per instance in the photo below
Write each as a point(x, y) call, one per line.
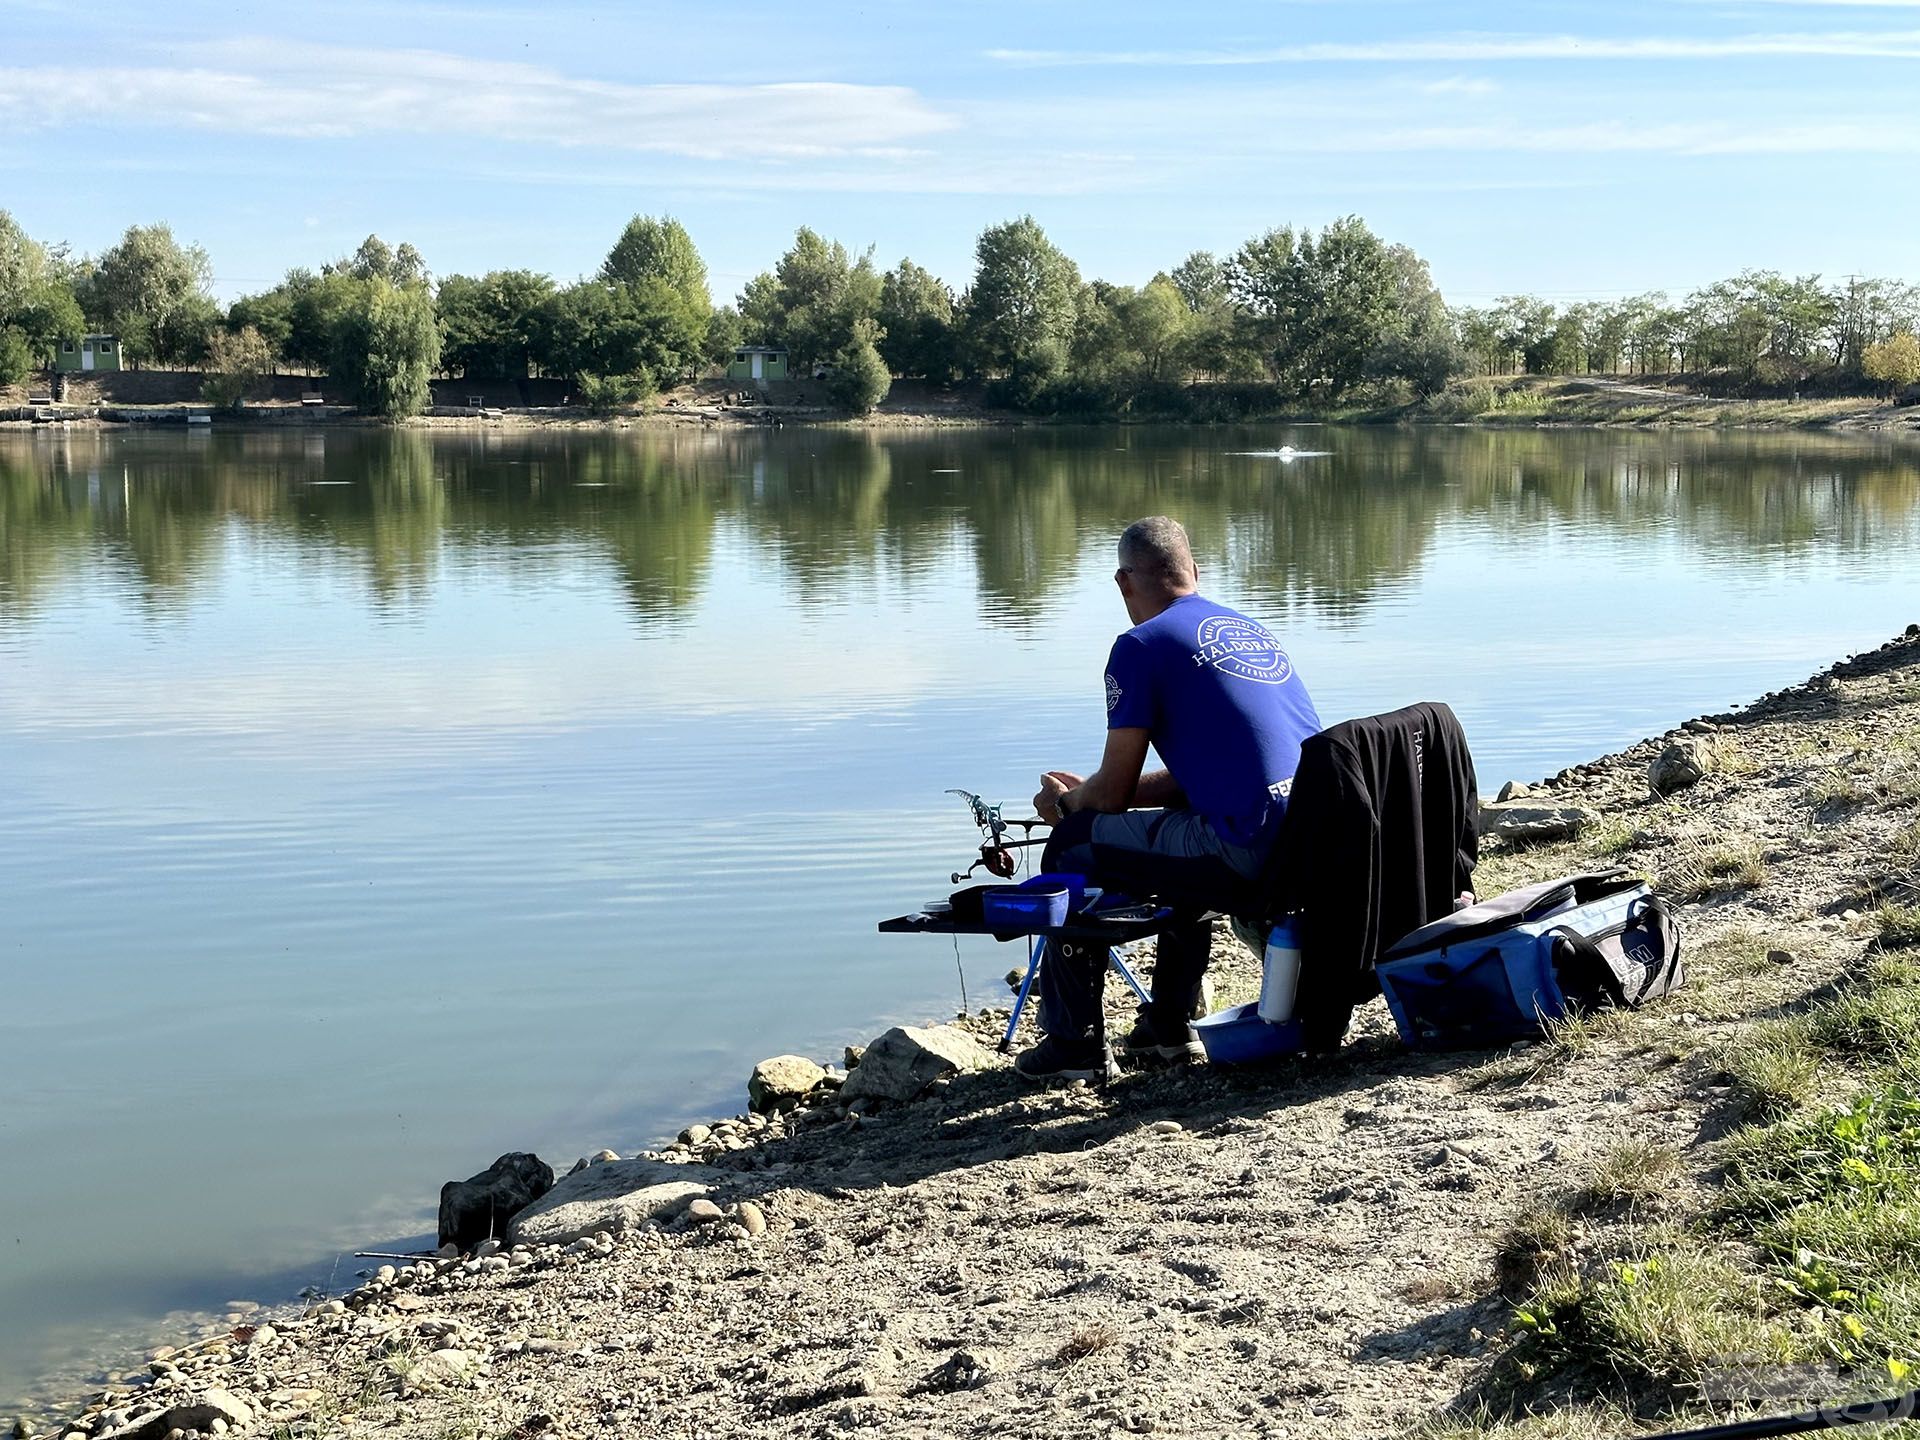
point(1178, 858)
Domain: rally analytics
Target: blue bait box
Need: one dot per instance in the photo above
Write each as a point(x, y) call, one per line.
point(1238, 1036)
point(1041, 903)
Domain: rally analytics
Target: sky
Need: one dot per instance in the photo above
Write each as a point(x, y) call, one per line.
point(1572, 150)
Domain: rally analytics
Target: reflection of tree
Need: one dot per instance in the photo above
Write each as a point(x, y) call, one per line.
point(43, 527)
point(376, 501)
point(847, 517)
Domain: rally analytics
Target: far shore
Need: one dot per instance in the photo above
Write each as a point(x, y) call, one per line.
point(1511, 402)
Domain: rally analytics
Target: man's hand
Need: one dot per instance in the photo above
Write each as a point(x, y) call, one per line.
point(1053, 784)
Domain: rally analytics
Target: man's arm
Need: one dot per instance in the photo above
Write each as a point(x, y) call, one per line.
point(1158, 790)
point(1110, 789)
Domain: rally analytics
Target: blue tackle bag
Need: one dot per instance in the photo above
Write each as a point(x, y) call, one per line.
point(1490, 974)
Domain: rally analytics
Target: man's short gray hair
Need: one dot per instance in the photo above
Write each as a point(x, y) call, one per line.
point(1156, 549)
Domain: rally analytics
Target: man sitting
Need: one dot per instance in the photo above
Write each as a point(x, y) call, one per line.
point(1217, 698)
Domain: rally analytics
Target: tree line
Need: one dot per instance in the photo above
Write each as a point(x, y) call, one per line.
point(1759, 327)
point(1291, 317)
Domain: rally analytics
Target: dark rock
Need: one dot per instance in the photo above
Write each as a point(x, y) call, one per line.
point(476, 1209)
point(1681, 764)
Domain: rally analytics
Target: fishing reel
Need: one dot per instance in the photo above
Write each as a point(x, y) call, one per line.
point(996, 850)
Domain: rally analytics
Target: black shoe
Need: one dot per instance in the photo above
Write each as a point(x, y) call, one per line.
point(1148, 1040)
point(1057, 1059)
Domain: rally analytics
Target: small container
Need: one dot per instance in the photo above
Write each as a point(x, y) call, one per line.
point(1280, 972)
point(1238, 1036)
point(1028, 906)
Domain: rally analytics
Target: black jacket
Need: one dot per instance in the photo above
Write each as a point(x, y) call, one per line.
point(1379, 838)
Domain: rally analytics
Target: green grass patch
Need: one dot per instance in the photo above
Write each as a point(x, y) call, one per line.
point(1667, 1319)
point(1898, 926)
point(1723, 869)
point(1774, 1068)
point(1740, 952)
point(1633, 1173)
point(1838, 790)
point(1537, 1242)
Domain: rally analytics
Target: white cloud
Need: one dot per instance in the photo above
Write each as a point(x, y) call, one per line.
point(262, 88)
point(1855, 136)
point(1467, 49)
point(1460, 85)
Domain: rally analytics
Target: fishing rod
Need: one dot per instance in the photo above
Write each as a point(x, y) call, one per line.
point(1808, 1422)
point(996, 851)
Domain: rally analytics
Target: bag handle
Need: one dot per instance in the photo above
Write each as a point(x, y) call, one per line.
point(1617, 976)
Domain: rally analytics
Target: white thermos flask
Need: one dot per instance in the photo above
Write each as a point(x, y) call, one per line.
point(1280, 971)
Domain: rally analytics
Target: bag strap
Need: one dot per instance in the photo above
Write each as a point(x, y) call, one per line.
point(1618, 975)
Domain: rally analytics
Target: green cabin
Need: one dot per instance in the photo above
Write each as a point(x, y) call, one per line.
point(758, 362)
point(88, 352)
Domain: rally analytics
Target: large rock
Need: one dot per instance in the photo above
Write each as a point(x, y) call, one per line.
point(1534, 824)
point(1681, 764)
point(619, 1195)
point(779, 1083)
point(908, 1058)
point(197, 1414)
point(472, 1210)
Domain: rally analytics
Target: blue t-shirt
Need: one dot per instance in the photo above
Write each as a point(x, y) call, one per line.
point(1220, 702)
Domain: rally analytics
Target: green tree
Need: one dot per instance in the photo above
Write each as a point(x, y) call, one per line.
point(1417, 345)
point(37, 305)
point(1526, 325)
point(386, 348)
point(491, 327)
point(236, 363)
point(724, 336)
point(813, 302)
point(593, 328)
point(860, 378)
point(916, 316)
point(1154, 324)
point(153, 292)
point(659, 250)
point(1894, 362)
point(377, 260)
point(1210, 341)
point(1339, 304)
point(1201, 279)
point(1020, 310)
point(269, 314)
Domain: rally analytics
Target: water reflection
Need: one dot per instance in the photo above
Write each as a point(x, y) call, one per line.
point(840, 513)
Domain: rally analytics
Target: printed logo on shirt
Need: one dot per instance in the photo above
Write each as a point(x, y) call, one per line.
point(1239, 647)
point(1113, 693)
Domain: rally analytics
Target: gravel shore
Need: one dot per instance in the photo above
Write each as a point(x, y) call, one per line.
point(1308, 1250)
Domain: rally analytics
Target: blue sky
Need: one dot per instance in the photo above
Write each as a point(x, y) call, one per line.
point(1571, 149)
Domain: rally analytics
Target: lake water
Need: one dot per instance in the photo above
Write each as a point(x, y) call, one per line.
point(374, 803)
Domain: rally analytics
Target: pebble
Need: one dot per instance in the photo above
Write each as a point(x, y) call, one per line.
point(695, 1135)
point(601, 1157)
point(384, 1274)
point(1780, 957)
point(264, 1335)
point(752, 1218)
point(1166, 1127)
point(704, 1212)
point(489, 1246)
